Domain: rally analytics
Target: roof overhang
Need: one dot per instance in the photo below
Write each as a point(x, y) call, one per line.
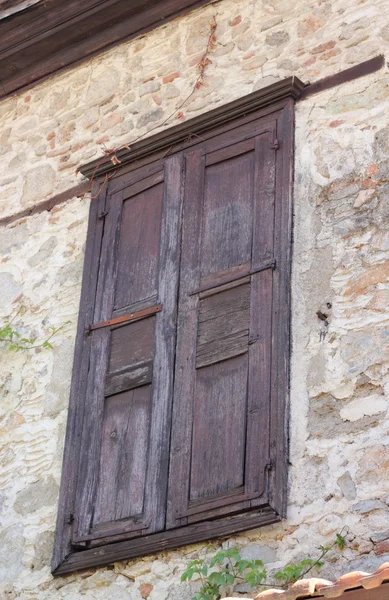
point(39, 38)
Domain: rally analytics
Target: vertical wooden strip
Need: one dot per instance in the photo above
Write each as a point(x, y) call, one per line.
point(62, 544)
point(165, 342)
point(180, 454)
point(94, 398)
point(281, 311)
point(260, 352)
point(123, 459)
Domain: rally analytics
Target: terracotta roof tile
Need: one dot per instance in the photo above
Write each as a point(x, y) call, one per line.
point(321, 588)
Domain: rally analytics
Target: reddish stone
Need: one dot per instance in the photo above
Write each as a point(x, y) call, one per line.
point(331, 54)
point(51, 136)
point(336, 123)
point(157, 99)
point(249, 55)
point(323, 47)
point(372, 169)
point(308, 26)
point(310, 61)
point(27, 98)
point(236, 21)
point(171, 77)
point(102, 140)
point(145, 589)
point(382, 547)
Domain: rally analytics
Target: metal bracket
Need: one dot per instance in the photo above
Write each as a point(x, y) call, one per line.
point(275, 144)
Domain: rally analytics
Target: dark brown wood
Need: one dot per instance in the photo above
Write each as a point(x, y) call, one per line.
point(53, 35)
point(279, 410)
point(180, 450)
point(139, 246)
point(135, 316)
point(361, 70)
point(226, 445)
point(123, 457)
point(262, 351)
point(91, 427)
point(77, 191)
point(170, 539)
point(132, 350)
point(223, 325)
point(62, 543)
point(186, 133)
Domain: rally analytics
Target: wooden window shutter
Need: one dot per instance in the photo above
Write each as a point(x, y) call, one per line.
point(220, 452)
point(122, 475)
point(177, 426)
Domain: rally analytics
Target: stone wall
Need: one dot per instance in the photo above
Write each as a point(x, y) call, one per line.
point(339, 473)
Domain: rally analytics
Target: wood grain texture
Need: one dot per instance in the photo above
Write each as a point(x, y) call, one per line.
point(123, 457)
point(279, 413)
point(139, 246)
point(168, 539)
point(180, 453)
point(223, 325)
point(50, 36)
point(261, 351)
point(227, 227)
point(62, 542)
point(239, 400)
point(91, 427)
point(165, 342)
point(218, 431)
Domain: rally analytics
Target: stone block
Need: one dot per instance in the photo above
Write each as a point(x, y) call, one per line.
point(367, 506)
point(38, 184)
point(11, 553)
point(37, 495)
point(347, 486)
point(256, 552)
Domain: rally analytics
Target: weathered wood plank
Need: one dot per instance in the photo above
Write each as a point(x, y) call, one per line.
point(94, 393)
point(260, 353)
point(123, 457)
point(139, 246)
point(165, 342)
point(223, 328)
point(180, 453)
point(227, 233)
point(62, 543)
point(279, 416)
point(168, 539)
point(219, 422)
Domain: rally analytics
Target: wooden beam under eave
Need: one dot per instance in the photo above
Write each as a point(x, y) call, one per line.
point(47, 37)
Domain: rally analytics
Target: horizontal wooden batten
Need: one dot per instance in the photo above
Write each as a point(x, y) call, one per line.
point(135, 316)
point(245, 273)
point(52, 35)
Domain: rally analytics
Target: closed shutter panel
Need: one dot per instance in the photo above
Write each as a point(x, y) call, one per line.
point(220, 451)
point(122, 476)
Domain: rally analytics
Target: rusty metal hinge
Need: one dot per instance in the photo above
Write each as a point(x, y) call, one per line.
point(274, 145)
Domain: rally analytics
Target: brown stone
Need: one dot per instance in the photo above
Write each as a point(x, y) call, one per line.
point(323, 47)
point(236, 21)
point(372, 276)
point(382, 547)
point(374, 464)
point(336, 123)
point(308, 26)
point(171, 77)
point(145, 589)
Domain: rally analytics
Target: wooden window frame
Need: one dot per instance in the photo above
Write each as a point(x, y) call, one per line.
point(276, 102)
